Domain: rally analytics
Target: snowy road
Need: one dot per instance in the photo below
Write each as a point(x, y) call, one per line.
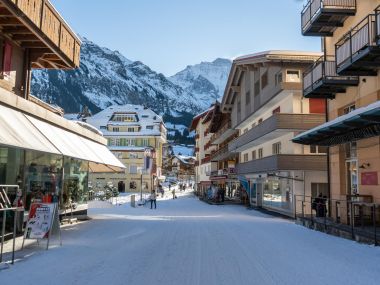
point(189, 242)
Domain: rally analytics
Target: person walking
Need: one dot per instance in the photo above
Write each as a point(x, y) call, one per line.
point(173, 192)
point(153, 198)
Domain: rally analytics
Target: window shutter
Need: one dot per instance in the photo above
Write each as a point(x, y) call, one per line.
point(7, 61)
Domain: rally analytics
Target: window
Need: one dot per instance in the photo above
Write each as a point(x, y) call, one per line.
point(277, 110)
point(114, 129)
point(145, 142)
point(248, 97)
point(103, 127)
point(110, 142)
point(257, 88)
point(131, 130)
point(133, 155)
point(117, 142)
point(276, 148)
point(133, 185)
point(260, 153)
point(278, 78)
point(132, 142)
point(245, 159)
point(149, 127)
point(145, 116)
point(349, 109)
point(293, 76)
point(253, 154)
point(7, 59)
point(318, 149)
point(133, 169)
point(264, 80)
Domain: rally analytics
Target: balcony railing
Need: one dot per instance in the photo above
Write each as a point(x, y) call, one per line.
point(224, 131)
point(274, 127)
point(358, 51)
point(283, 162)
point(322, 81)
point(322, 17)
point(49, 28)
point(225, 171)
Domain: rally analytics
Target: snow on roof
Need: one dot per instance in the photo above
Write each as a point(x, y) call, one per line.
point(279, 53)
point(185, 158)
point(145, 117)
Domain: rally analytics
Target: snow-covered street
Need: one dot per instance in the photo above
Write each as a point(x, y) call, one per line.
point(186, 241)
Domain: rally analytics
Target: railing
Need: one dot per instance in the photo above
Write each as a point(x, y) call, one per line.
point(356, 215)
point(363, 35)
point(313, 6)
point(225, 171)
point(221, 131)
point(220, 151)
point(206, 160)
point(44, 16)
point(324, 67)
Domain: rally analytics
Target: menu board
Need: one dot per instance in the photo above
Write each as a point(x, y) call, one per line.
point(40, 220)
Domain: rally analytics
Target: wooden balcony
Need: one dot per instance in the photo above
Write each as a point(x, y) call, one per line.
point(37, 26)
point(283, 162)
point(322, 81)
point(275, 127)
point(358, 51)
point(223, 133)
point(322, 17)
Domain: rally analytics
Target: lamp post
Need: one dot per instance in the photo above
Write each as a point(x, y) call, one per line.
point(140, 170)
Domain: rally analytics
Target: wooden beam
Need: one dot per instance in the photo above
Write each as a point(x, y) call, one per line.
point(5, 12)
point(25, 38)
point(17, 31)
point(37, 45)
point(10, 22)
point(236, 89)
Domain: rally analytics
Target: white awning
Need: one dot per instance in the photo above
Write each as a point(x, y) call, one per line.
point(17, 131)
point(72, 145)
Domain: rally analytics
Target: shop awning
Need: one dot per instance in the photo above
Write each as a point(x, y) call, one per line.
point(72, 145)
point(23, 131)
point(359, 124)
point(17, 131)
point(102, 168)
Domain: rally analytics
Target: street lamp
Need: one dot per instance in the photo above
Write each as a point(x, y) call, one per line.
point(141, 170)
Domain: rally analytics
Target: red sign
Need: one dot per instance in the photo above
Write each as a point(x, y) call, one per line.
point(369, 178)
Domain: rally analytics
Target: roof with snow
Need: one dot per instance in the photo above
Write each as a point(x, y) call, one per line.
point(149, 122)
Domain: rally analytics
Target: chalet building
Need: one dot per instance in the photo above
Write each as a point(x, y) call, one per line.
point(183, 167)
point(263, 98)
point(47, 156)
point(135, 134)
point(203, 149)
point(223, 162)
point(347, 76)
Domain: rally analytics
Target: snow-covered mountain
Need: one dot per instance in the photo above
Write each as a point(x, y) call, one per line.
point(106, 77)
point(206, 81)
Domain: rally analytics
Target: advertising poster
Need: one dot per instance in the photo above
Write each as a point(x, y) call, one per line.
point(40, 221)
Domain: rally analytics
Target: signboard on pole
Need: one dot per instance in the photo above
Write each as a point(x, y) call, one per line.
point(40, 221)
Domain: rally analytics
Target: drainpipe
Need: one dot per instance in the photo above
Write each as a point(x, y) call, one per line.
point(328, 163)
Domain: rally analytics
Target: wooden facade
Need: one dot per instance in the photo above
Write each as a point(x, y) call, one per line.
point(37, 26)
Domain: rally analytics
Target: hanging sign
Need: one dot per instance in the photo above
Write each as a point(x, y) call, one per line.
point(40, 220)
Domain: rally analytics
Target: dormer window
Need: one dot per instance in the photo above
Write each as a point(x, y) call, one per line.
point(149, 127)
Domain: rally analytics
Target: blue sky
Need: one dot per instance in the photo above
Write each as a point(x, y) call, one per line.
point(168, 35)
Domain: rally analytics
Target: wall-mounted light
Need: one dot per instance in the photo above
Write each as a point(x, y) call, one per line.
point(364, 165)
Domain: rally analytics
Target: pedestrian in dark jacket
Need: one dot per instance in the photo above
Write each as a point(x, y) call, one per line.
point(153, 198)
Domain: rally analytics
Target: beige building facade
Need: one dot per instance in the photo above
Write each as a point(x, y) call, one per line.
point(264, 99)
point(136, 135)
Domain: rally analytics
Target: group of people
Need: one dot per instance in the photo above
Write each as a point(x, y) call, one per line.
point(160, 189)
point(216, 193)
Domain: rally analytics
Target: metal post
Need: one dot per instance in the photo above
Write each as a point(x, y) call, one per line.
point(352, 220)
point(141, 185)
point(14, 234)
point(2, 236)
point(374, 222)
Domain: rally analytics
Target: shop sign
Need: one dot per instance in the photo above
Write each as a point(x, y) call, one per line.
point(40, 220)
point(369, 178)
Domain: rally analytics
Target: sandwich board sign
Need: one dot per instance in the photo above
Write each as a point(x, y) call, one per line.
point(43, 221)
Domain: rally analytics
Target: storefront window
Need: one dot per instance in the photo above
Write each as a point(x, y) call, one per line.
point(75, 189)
point(43, 177)
point(278, 193)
